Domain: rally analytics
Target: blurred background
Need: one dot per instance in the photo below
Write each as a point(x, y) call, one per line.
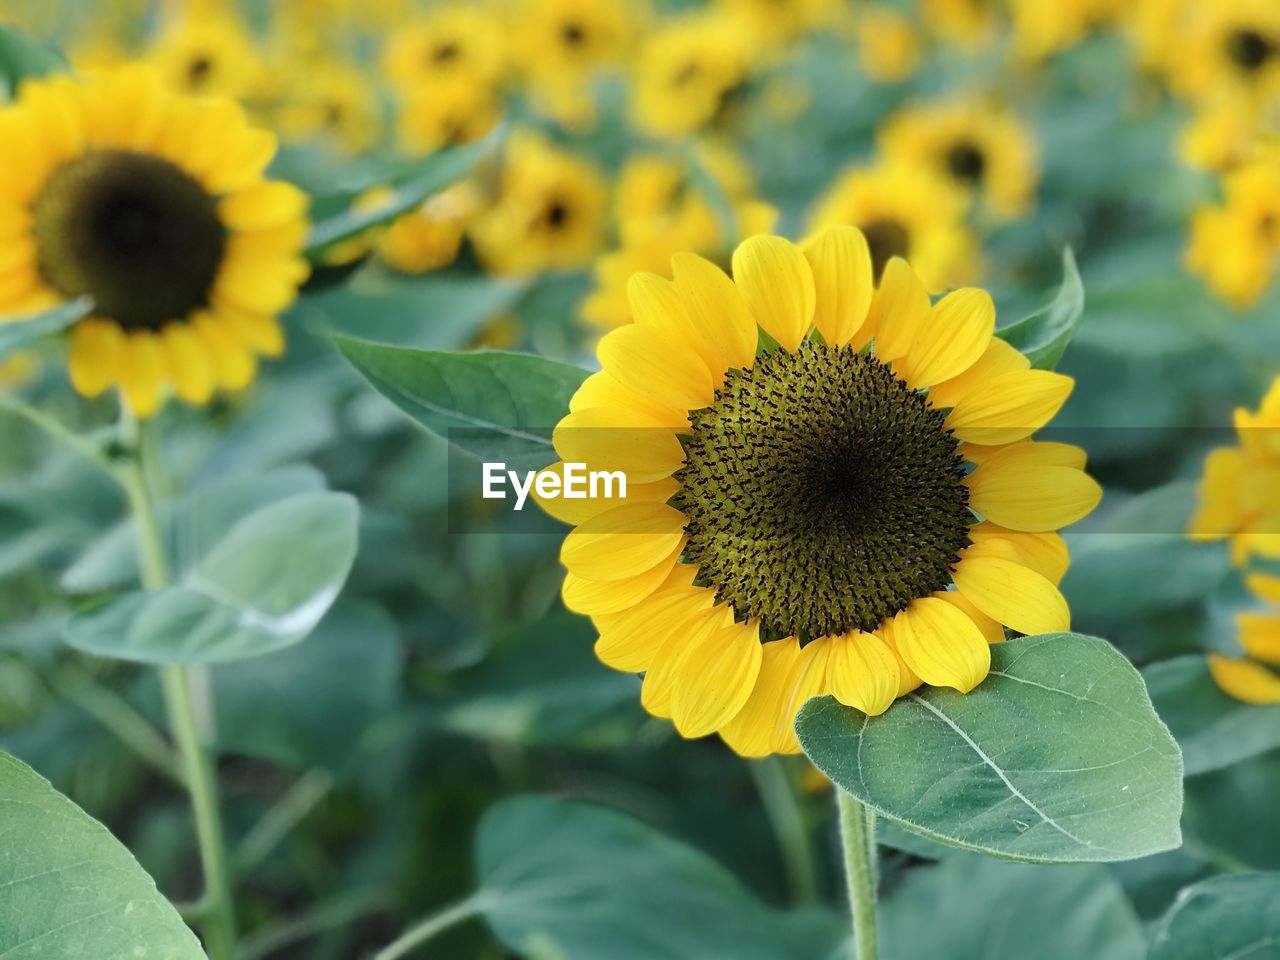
point(981, 139)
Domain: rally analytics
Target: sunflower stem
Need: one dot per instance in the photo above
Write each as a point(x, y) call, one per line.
point(789, 827)
point(217, 922)
point(858, 833)
point(424, 930)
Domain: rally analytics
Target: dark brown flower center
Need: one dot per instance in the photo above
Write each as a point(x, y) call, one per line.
point(966, 162)
point(1249, 49)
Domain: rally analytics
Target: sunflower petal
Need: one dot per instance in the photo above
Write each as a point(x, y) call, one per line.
point(641, 359)
point(1011, 593)
point(951, 338)
point(716, 676)
point(614, 440)
point(717, 309)
point(623, 542)
point(776, 282)
point(899, 308)
point(940, 644)
point(841, 265)
point(1009, 407)
point(863, 672)
point(95, 355)
point(1245, 680)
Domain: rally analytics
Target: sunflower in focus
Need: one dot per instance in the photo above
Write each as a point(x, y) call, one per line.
point(1254, 677)
point(207, 54)
point(690, 72)
point(905, 211)
point(155, 206)
point(1240, 490)
point(981, 148)
point(1234, 245)
point(549, 212)
point(852, 513)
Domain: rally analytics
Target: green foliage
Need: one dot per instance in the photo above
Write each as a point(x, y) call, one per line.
point(22, 56)
point(1225, 918)
point(17, 334)
point(70, 888)
point(569, 880)
point(1056, 757)
point(263, 587)
point(496, 406)
point(1045, 334)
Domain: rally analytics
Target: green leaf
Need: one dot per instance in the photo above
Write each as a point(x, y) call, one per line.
point(22, 56)
point(70, 888)
point(1044, 335)
point(263, 587)
point(496, 406)
point(335, 220)
point(1213, 729)
point(188, 527)
point(1075, 912)
point(1224, 918)
point(1231, 818)
point(16, 334)
point(1057, 756)
point(578, 882)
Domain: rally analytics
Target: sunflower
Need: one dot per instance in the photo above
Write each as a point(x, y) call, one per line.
point(888, 45)
point(972, 24)
point(1227, 48)
point(572, 37)
point(983, 149)
point(154, 205)
point(207, 54)
point(1240, 490)
point(455, 41)
point(690, 73)
point(429, 237)
point(335, 103)
point(1252, 678)
point(1234, 245)
point(549, 212)
point(448, 113)
point(1041, 29)
point(776, 22)
point(1225, 133)
point(853, 513)
point(905, 211)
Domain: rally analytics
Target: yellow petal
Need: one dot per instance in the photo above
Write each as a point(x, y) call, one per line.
point(1244, 679)
point(142, 371)
point(266, 204)
point(716, 676)
point(999, 358)
point(601, 597)
point(907, 678)
point(95, 353)
point(863, 672)
point(898, 309)
point(992, 630)
point(951, 338)
point(631, 639)
point(616, 440)
point(1009, 407)
point(1011, 593)
point(659, 685)
point(788, 677)
point(233, 366)
point(841, 265)
point(642, 360)
point(192, 372)
point(623, 542)
point(1260, 636)
point(1042, 452)
point(1016, 489)
point(1044, 552)
point(1263, 586)
point(777, 284)
point(603, 390)
point(262, 334)
point(574, 511)
point(717, 310)
point(940, 644)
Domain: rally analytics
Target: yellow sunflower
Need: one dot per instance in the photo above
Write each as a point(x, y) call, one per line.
point(1042, 29)
point(1240, 490)
point(333, 102)
point(971, 24)
point(1226, 132)
point(1254, 678)
point(447, 113)
point(888, 45)
point(429, 237)
point(454, 41)
point(207, 55)
point(549, 213)
point(853, 512)
point(982, 148)
point(905, 211)
point(1234, 245)
point(1227, 48)
point(155, 206)
point(775, 22)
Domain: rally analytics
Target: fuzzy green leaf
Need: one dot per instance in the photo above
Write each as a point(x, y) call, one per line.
point(1225, 918)
point(1044, 335)
point(21, 57)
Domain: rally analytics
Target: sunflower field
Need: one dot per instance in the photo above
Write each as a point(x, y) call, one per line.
point(639, 479)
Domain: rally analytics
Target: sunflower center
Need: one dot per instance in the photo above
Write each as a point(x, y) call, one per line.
point(557, 214)
point(132, 231)
point(572, 33)
point(886, 239)
point(1249, 49)
point(966, 162)
point(199, 69)
point(822, 493)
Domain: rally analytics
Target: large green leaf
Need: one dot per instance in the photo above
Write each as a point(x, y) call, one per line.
point(497, 406)
point(982, 909)
point(1225, 918)
point(188, 526)
point(69, 888)
point(334, 218)
point(263, 587)
point(22, 57)
point(572, 881)
point(1213, 729)
point(1058, 756)
point(1044, 335)
point(16, 334)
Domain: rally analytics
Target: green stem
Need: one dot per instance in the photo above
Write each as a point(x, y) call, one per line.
point(73, 441)
point(279, 821)
point(219, 921)
point(436, 923)
point(858, 833)
point(787, 819)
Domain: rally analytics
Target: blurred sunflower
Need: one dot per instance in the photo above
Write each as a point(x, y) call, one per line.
point(1227, 48)
point(334, 103)
point(155, 206)
point(1252, 678)
point(968, 23)
point(429, 237)
point(983, 149)
point(1234, 245)
point(447, 113)
point(456, 41)
point(1240, 490)
point(805, 520)
point(905, 211)
point(1224, 133)
point(690, 72)
point(207, 54)
point(549, 213)
point(777, 22)
point(888, 46)
point(1041, 29)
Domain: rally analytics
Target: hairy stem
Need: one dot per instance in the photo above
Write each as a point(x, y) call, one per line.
point(858, 833)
